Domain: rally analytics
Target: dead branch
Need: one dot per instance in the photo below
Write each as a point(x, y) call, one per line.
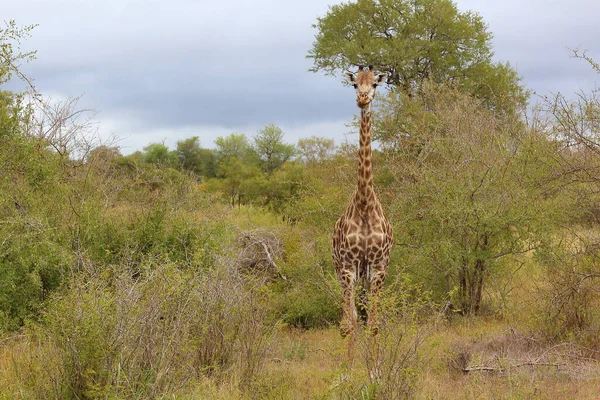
point(481, 368)
point(66, 128)
point(258, 251)
point(477, 368)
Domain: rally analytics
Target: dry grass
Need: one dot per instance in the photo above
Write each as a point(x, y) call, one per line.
point(468, 358)
point(310, 365)
point(488, 359)
point(29, 368)
point(303, 364)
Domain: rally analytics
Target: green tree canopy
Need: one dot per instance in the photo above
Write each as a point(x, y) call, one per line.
point(194, 158)
point(104, 153)
point(414, 41)
point(316, 149)
point(271, 149)
point(158, 153)
point(235, 145)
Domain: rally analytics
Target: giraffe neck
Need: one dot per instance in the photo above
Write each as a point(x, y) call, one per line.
point(365, 169)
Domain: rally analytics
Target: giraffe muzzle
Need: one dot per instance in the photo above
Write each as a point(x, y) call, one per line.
point(362, 103)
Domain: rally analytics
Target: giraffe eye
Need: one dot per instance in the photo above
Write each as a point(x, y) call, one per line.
point(355, 86)
point(374, 85)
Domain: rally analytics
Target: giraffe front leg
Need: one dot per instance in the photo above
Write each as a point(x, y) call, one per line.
point(349, 315)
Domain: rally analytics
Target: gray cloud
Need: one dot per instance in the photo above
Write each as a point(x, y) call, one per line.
point(198, 63)
point(165, 69)
point(535, 37)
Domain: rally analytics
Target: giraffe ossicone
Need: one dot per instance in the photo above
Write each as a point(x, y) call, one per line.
point(362, 237)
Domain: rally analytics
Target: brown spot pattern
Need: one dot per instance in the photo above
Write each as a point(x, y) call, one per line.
point(362, 237)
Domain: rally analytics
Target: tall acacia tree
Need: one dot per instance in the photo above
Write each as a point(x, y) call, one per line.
point(414, 41)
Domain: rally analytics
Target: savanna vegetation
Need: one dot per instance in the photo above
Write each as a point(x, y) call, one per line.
point(205, 272)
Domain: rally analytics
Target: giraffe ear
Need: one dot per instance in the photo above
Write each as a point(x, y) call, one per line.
point(350, 78)
point(379, 78)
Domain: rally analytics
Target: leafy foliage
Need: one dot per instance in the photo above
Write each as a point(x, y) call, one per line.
point(11, 36)
point(464, 179)
point(415, 42)
point(194, 158)
point(270, 148)
point(316, 150)
point(158, 153)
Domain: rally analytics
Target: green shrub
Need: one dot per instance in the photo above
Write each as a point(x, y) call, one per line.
point(32, 265)
point(124, 337)
point(459, 190)
point(567, 294)
point(310, 297)
point(307, 306)
point(396, 357)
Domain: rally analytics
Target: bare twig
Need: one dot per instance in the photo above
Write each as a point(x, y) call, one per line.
point(477, 368)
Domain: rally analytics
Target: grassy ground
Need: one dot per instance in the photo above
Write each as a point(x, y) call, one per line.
point(504, 365)
point(499, 357)
point(491, 360)
point(468, 359)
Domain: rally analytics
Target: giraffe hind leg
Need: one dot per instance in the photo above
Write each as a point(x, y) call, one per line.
point(362, 303)
point(362, 291)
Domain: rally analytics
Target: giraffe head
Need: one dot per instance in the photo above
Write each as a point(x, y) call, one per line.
point(364, 81)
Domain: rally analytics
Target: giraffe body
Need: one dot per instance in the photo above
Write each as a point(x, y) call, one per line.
point(362, 237)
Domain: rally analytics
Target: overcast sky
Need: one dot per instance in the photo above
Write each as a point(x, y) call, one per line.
point(158, 70)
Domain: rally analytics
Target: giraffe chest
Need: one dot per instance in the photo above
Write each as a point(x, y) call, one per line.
point(361, 243)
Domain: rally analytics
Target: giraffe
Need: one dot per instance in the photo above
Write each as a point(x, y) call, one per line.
point(362, 237)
